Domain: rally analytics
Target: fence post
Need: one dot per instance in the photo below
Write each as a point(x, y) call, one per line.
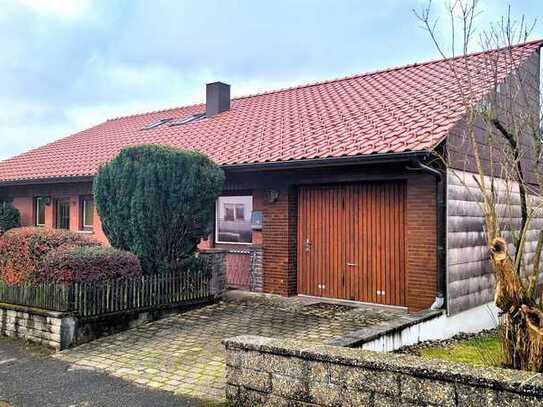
point(216, 260)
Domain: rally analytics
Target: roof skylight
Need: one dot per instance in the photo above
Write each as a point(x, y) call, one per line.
point(188, 119)
point(157, 123)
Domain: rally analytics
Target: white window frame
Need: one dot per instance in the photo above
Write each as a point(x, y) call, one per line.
point(217, 216)
point(84, 211)
point(37, 201)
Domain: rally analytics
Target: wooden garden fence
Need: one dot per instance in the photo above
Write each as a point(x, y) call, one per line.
point(112, 296)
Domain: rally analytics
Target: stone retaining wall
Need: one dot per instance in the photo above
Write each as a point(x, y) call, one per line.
point(273, 372)
point(52, 329)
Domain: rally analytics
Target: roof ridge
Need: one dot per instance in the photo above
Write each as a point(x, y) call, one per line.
point(390, 69)
point(339, 79)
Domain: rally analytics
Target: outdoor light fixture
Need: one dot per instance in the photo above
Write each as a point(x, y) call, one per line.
point(272, 195)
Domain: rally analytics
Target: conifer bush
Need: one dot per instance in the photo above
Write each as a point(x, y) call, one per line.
point(157, 202)
point(9, 217)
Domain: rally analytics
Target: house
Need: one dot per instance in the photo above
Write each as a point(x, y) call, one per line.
point(335, 185)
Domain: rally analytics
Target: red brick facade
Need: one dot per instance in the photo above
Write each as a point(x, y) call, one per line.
point(421, 242)
point(278, 236)
point(24, 196)
point(279, 244)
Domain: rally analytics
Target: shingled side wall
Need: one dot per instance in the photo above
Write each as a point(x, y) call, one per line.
point(471, 281)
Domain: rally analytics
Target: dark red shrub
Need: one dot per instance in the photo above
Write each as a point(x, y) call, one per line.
point(83, 264)
point(23, 251)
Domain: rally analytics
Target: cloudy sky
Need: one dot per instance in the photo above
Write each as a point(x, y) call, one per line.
point(66, 65)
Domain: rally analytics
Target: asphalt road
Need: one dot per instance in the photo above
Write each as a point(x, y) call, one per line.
point(29, 377)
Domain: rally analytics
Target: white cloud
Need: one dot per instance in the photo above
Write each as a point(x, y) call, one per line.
point(63, 9)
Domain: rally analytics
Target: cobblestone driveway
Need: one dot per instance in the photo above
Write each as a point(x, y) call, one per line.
point(183, 353)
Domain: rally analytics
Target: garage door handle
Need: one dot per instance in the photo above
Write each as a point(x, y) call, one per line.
point(352, 264)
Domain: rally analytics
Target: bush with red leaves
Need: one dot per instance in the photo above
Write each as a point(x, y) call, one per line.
point(85, 264)
point(23, 251)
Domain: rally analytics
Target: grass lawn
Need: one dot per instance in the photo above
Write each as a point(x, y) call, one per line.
point(484, 350)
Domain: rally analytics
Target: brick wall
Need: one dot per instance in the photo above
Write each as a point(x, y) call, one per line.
point(276, 372)
point(278, 236)
point(23, 199)
point(279, 243)
point(25, 205)
point(421, 243)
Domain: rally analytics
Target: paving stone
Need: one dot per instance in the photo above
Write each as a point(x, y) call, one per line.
point(183, 354)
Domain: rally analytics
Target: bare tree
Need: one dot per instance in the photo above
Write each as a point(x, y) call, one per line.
point(502, 131)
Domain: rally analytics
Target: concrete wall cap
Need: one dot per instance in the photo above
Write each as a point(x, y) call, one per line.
point(514, 381)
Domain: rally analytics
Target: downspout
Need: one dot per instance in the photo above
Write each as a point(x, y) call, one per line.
point(441, 289)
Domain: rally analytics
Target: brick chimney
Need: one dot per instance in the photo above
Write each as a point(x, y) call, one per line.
point(217, 98)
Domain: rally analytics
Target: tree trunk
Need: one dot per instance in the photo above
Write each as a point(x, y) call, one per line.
point(521, 324)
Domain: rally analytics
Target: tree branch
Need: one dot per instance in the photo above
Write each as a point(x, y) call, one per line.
point(535, 270)
point(522, 188)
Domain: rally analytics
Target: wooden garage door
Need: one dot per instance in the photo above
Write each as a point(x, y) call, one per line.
point(351, 242)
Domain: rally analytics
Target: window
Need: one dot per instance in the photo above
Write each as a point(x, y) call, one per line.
point(233, 216)
point(39, 205)
point(62, 214)
point(87, 213)
point(229, 212)
point(234, 211)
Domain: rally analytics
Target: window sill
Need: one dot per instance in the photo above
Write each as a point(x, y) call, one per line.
point(234, 243)
point(86, 232)
point(237, 245)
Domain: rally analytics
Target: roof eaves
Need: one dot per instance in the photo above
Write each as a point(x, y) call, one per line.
point(375, 158)
point(46, 180)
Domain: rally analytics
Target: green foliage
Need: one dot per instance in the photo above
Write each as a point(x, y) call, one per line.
point(158, 202)
point(484, 351)
point(9, 217)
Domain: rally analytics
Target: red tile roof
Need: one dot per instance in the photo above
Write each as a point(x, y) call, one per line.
point(409, 108)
